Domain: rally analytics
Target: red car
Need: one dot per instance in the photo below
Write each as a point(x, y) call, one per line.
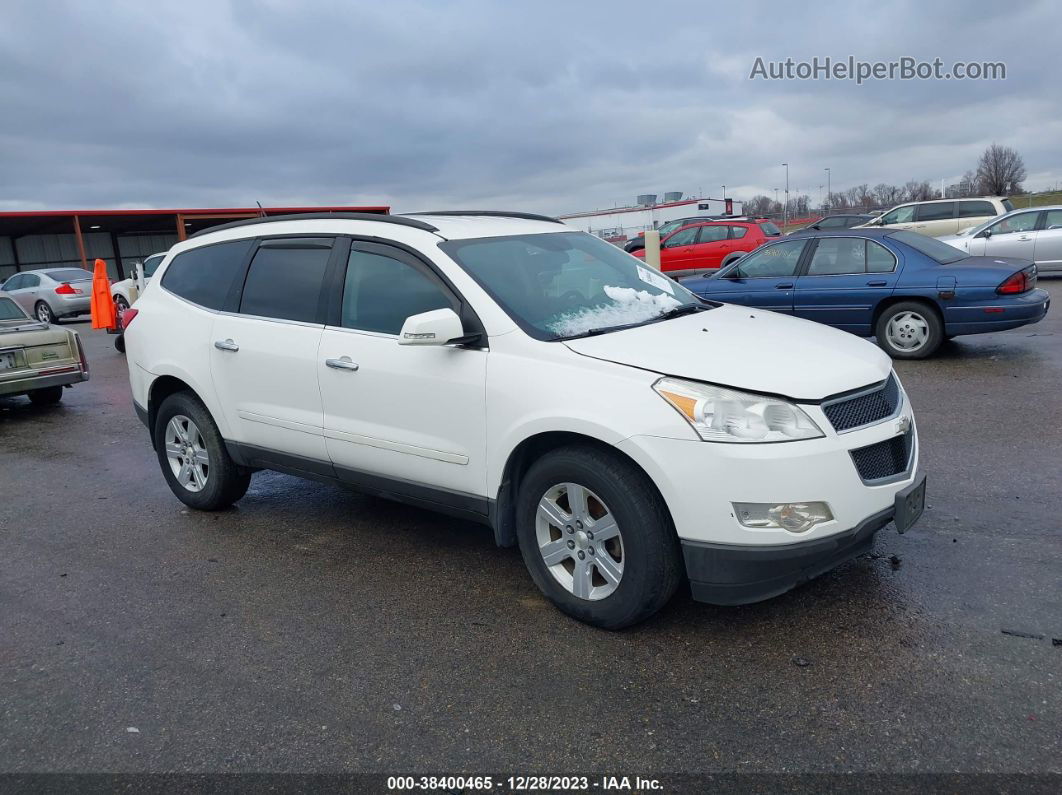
point(704, 247)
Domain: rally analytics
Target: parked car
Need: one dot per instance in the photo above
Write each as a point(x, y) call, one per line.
point(51, 293)
point(126, 291)
point(638, 242)
point(36, 359)
point(1034, 233)
point(941, 217)
point(912, 292)
point(840, 221)
point(704, 247)
point(509, 370)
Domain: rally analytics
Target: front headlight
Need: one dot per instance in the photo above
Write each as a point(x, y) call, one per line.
point(726, 415)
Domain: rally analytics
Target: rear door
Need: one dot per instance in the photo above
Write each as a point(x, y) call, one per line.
point(936, 219)
point(843, 281)
point(764, 279)
point(1048, 247)
point(264, 354)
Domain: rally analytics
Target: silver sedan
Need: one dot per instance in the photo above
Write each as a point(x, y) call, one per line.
point(51, 293)
point(1033, 233)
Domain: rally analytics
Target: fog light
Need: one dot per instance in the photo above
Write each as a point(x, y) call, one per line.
point(796, 517)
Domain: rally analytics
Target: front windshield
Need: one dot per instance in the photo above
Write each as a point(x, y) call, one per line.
point(566, 284)
point(9, 310)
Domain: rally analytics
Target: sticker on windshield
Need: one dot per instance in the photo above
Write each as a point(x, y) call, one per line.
point(656, 280)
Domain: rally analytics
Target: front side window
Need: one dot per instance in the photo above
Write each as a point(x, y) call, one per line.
point(285, 280)
point(380, 292)
point(205, 275)
point(776, 261)
point(936, 211)
point(1022, 222)
point(683, 237)
point(565, 284)
point(901, 215)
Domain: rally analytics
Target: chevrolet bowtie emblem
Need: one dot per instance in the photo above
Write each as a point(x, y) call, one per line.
point(903, 425)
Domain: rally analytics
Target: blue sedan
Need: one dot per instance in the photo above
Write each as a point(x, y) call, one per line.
point(910, 291)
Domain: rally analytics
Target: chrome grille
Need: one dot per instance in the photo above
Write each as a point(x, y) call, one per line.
point(884, 459)
point(866, 408)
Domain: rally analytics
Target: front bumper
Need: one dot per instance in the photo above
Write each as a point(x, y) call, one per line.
point(730, 574)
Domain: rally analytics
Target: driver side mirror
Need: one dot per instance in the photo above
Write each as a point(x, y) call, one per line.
point(438, 327)
point(986, 234)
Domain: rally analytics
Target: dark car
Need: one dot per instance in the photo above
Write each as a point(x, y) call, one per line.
point(909, 290)
point(840, 221)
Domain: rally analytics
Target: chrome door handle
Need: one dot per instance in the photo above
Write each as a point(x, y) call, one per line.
point(342, 363)
point(226, 345)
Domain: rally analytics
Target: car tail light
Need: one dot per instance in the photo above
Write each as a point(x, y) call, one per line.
point(66, 289)
point(126, 317)
point(1021, 282)
point(81, 353)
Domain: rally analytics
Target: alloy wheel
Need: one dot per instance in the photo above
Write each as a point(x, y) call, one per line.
point(186, 453)
point(580, 541)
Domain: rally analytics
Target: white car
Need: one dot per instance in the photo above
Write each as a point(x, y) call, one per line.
point(507, 369)
point(126, 291)
point(1033, 233)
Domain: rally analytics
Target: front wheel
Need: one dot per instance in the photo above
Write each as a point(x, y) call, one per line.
point(596, 537)
point(193, 457)
point(909, 330)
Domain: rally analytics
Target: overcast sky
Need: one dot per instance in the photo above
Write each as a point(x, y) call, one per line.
point(543, 106)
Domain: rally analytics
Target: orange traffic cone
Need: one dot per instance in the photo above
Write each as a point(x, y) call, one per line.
point(104, 314)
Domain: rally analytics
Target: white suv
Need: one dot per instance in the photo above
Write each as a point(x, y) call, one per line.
point(506, 369)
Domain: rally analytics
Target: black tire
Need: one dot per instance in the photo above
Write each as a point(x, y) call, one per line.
point(44, 313)
point(119, 343)
point(48, 396)
point(651, 555)
point(924, 314)
point(120, 303)
point(226, 481)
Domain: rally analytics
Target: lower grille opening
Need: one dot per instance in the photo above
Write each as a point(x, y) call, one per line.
point(884, 459)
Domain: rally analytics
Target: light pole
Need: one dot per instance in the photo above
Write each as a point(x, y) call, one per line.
point(776, 195)
point(785, 210)
point(821, 200)
point(829, 190)
point(724, 193)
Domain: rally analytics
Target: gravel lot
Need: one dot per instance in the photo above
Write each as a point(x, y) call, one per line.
point(314, 629)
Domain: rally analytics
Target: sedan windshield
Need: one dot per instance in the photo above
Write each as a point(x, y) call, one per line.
point(568, 284)
point(9, 310)
point(930, 246)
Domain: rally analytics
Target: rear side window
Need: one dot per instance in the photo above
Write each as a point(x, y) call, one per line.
point(937, 211)
point(879, 258)
point(738, 232)
point(1053, 219)
point(832, 223)
point(712, 234)
point(285, 280)
point(837, 255)
point(380, 292)
point(975, 209)
point(204, 275)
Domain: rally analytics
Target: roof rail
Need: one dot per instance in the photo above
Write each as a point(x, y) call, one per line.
point(381, 217)
point(494, 214)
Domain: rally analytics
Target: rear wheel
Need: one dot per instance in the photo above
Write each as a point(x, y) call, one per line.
point(596, 537)
point(48, 396)
point(909, 330)
point(120, 303)
point(44, 313)
point(193, 457)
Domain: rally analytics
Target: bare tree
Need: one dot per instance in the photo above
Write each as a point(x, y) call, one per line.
point(886, 195)
point(758, 205)
point(1000, 171)
point(918, 191)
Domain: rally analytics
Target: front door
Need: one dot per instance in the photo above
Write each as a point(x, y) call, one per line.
point(412, 415)
point(764, 279)
point(677, 251)
point(1048, 248)
point(1013, 236)
point(845, 279)
point(264, 355)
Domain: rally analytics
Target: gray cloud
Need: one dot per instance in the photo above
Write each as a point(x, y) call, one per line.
point(542, 106)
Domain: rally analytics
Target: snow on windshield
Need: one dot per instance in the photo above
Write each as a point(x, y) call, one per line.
point(629, 306)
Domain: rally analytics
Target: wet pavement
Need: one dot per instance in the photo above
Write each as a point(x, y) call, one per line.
point(313, 629)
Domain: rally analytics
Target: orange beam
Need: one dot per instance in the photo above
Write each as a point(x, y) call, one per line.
point(80, 242)
point(180, 228)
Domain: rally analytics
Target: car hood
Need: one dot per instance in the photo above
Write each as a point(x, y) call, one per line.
point(749, 349)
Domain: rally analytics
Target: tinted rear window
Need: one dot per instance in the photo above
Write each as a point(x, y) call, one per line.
point(937, 211)
point(1007, 205)
point(285, 282)
point(770, 229)
point(930, 246)
point(974, 209)
point(204, 275)
point(69, 275)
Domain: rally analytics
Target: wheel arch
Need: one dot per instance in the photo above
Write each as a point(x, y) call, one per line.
point(894, 299)
point(161, 388)
point(519, 460)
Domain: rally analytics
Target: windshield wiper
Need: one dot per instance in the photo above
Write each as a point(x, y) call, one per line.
point(679, 311)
